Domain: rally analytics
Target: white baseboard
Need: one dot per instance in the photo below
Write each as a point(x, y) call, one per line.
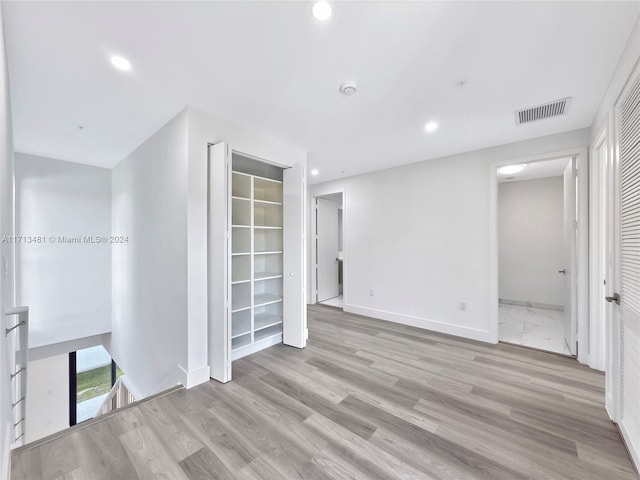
point(633, 445)
point(195, 377)
point(457, 330)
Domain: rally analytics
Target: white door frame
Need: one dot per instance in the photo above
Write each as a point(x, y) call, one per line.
point(327, 243)
point(599, 249)
point(314, 236)
point(582, 243)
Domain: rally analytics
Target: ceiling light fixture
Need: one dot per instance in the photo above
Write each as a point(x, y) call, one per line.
point(314, 171)
point(431, 127)
point(321, 10)
point(511, 169)
point(121, 63)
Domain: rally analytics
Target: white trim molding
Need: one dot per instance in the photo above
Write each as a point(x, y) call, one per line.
point(581, 153)
point(424, 323)
point(194, 377)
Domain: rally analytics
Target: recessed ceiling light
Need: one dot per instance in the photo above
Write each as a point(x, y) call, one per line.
point(511, 169)
point(321, 10)
point(314, 171)
point(121, 63)
point(431, 127)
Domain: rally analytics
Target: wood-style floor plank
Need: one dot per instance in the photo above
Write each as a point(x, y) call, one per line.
point(366, 400)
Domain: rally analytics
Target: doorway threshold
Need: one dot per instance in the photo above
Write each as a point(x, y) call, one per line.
point(337, 302)
point(533, 327)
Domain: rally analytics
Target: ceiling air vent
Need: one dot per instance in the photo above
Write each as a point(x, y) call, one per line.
point(547, 110)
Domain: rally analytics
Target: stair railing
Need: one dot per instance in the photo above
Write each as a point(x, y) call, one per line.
point(118, 397)
point(18, 346)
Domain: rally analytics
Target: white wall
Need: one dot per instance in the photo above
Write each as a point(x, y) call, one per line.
point(149, 273)
point(6, 255)
point(419, 236)
point(531, 241)
point(48, 397)
point(66, 285)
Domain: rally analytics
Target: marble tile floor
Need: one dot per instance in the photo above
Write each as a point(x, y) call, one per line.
point(334, 302)
point(533, 327)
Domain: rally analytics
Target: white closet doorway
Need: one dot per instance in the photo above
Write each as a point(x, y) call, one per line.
point(256, 256)
point(328, 251)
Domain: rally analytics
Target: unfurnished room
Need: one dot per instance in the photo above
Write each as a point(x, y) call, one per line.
point(320, 240)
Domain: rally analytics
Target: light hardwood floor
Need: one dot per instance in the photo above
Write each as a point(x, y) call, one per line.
point(365, 400)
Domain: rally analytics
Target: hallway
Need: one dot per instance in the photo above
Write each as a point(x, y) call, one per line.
point(366, 399)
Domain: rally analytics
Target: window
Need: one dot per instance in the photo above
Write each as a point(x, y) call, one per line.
point(92, 373)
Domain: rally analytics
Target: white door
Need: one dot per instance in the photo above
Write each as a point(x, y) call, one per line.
point(219, 252)
point(327, 247)
point(570, 255)
point(626, 304)
point(294, 325)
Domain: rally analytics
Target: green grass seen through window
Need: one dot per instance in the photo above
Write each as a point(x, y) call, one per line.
point(95, 382)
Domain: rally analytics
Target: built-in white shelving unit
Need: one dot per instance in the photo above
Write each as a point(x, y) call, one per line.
point(256, 263)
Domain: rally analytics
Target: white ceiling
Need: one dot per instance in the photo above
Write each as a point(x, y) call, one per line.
point(535, 170)
point(273, 67)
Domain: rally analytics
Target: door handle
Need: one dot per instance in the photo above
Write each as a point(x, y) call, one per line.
point(563, 271)
point(615, 298)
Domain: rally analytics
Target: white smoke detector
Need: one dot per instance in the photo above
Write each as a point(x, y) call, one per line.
point(348, 88)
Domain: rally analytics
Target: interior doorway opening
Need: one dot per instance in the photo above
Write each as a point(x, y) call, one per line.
point(537, 254)
point(329, 251)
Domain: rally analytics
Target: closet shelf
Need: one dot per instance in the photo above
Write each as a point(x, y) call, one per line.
point(266, 299)
point(265, 320)
point(267, 275)
point(267, 333)
point(240, 309)
point(256, 263)
point(241, 341)
point(236, 335)
point(258, 177)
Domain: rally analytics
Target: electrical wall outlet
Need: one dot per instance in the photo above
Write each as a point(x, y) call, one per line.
point(462, 305)
point(371, 292)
